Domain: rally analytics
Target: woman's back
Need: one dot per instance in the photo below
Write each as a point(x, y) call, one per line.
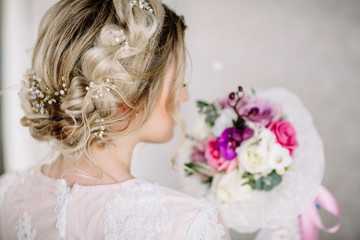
point(105, 76)
point(34, 206)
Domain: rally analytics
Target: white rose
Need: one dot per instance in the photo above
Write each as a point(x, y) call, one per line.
point(279, 158)
point(254, 153)
point(224, 121)
point(229, 188)
point(200, 130)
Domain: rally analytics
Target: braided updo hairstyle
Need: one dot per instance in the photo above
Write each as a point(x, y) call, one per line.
point(77, 45)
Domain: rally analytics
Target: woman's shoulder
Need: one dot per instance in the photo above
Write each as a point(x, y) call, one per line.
point(172, 198)
point(11, 180)
point(198, 214)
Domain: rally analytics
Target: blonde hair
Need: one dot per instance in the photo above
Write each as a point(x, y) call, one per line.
point(76, 43)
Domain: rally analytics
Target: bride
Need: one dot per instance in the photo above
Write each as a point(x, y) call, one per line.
point(105, 76)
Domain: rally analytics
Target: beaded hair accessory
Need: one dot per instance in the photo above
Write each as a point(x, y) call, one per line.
point(120, 38)
point(143, 5)
point(97, 90)
point(40, 100)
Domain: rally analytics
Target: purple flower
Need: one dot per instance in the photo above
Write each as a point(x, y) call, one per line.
point(259, 111)
point(198, 155)
point(230, 139)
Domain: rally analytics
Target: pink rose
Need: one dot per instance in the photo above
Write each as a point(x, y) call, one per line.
point(215, 160)
point(285, 134)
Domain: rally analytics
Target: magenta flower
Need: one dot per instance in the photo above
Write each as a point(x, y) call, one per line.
point(214, 158)
point(259, 111)
point(230, 139)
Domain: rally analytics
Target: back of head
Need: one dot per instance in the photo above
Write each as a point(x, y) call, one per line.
point(95, 64)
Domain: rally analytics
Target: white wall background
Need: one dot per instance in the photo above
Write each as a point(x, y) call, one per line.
point(310, 47)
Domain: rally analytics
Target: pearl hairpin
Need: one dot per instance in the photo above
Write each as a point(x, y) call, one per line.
point(143, 5)
point(120, 38)
point(99, 130)
point(97, 90)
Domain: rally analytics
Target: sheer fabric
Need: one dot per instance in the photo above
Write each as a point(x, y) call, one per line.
point(33, 206)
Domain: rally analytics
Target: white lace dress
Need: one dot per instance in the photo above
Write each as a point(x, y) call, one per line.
point(33, 206)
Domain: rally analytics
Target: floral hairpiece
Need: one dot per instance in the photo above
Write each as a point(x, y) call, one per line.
point(40, 100)
point(143, 5)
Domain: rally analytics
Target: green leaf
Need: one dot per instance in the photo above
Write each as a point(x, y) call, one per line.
point(246, 183)
point(270, 181)
point(259, 184)
point(198, 168)
point(246, 175)
point(202, 103)
point(209, 110)
point(276, 179)
point(252, 183)
point(265, 183)
point(191, 138)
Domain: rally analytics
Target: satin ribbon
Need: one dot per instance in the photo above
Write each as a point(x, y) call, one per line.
point(310, 220)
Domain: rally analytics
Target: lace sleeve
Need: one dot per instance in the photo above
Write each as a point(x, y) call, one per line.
point(205, 225)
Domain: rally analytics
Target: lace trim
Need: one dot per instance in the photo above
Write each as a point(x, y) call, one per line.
point(205, 225)
point(24, 231)
point(137, 212)
point(63, 196)
point(10, 181)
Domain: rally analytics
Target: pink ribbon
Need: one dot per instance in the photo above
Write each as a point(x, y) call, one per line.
point(310, 220)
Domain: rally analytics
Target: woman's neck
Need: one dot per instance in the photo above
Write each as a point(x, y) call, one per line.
point(109, 164)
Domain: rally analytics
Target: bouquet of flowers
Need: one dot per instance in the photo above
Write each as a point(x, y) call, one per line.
point(247, 140)
point(256, 155)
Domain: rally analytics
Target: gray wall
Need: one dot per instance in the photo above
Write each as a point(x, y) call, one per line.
point(1, 144)
point(311, 47)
